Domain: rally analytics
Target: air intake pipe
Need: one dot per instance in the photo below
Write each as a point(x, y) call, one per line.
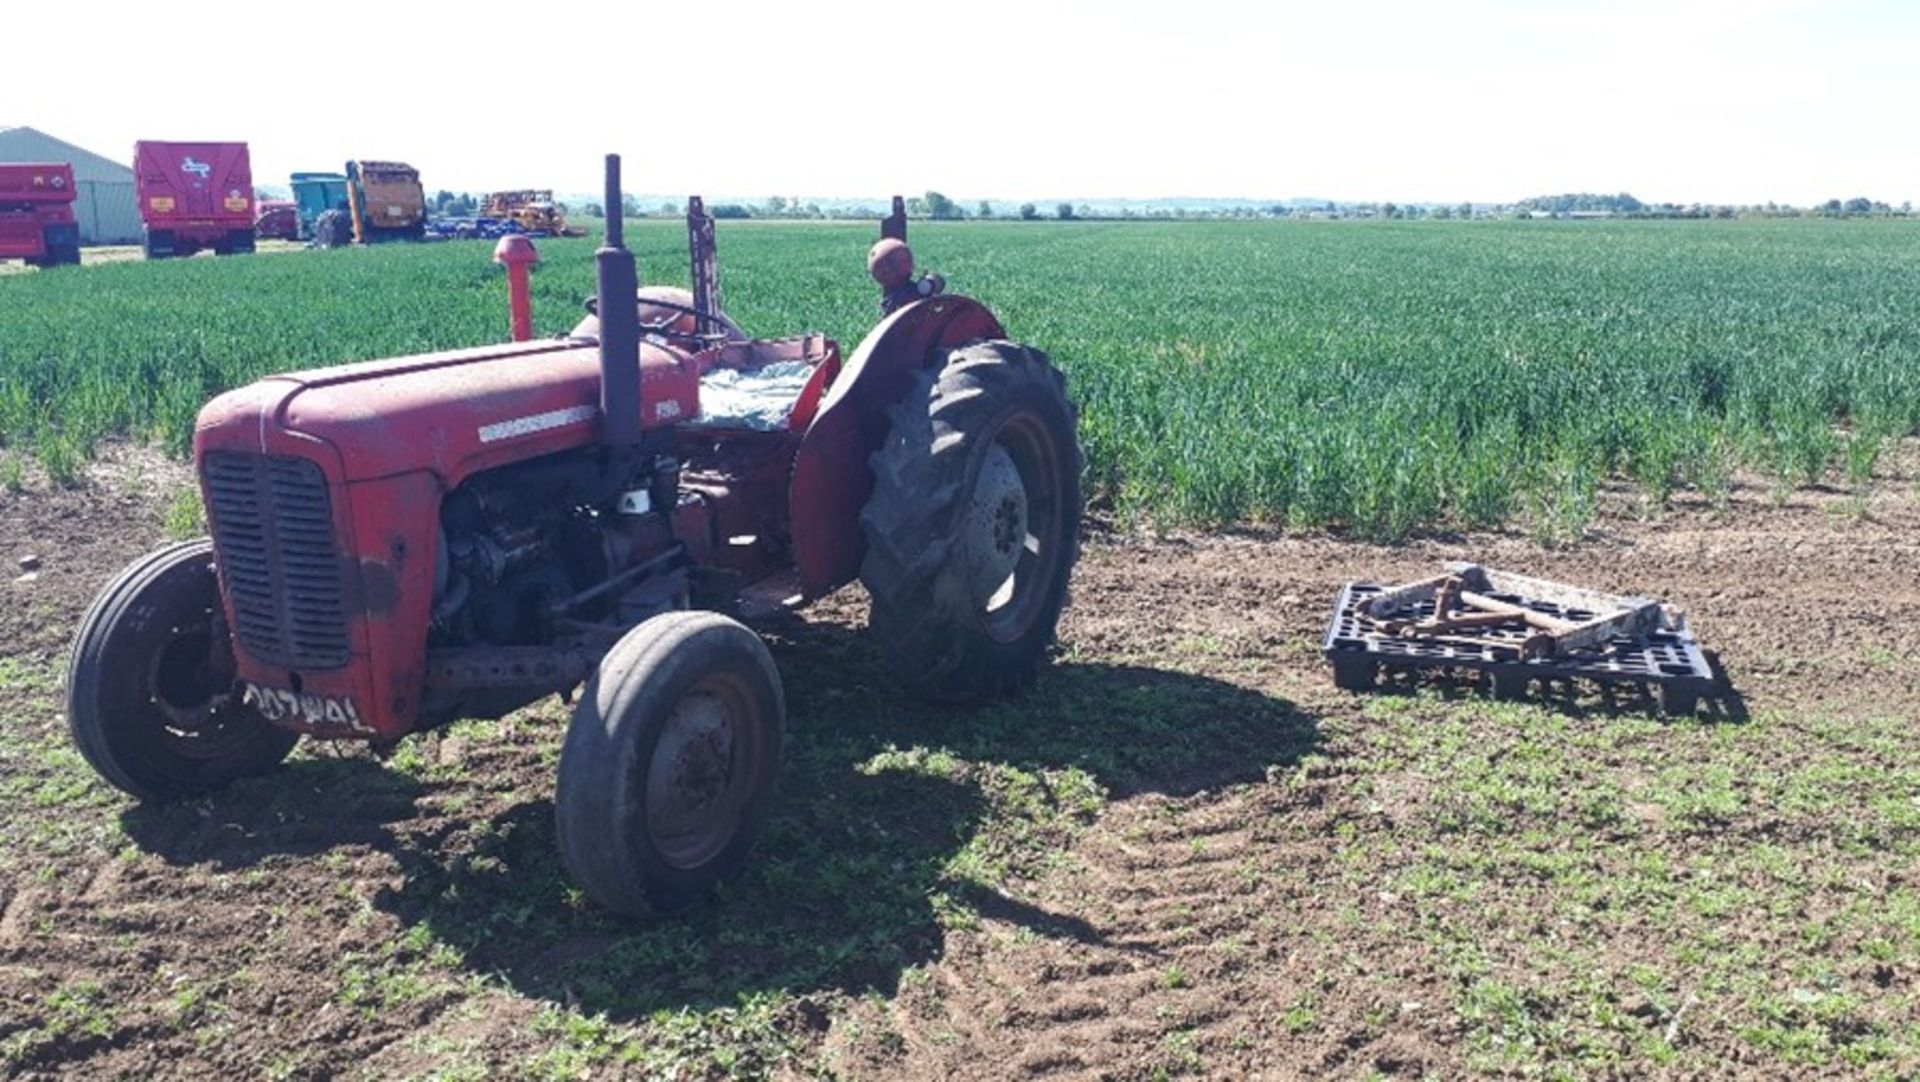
point(618, 305)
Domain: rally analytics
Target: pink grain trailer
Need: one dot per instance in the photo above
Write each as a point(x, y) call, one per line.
point(194, 196)
point(36, 214)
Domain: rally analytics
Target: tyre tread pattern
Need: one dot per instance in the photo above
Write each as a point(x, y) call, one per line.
point(922, 609)
point(154, 778)
point(598, 838)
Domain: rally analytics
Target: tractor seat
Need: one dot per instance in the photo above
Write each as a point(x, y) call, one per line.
point(767, 385)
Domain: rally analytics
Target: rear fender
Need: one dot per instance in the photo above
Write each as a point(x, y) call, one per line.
point(832, 478)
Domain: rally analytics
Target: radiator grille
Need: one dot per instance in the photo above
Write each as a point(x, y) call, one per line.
point(273, 536)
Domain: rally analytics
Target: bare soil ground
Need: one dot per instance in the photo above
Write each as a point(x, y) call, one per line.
point(1185, 853)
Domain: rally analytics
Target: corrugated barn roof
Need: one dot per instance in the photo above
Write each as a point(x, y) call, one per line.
point(24, 144)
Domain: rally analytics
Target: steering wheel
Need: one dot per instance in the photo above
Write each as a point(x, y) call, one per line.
point(665, 327)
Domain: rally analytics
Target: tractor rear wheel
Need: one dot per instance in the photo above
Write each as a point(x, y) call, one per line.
point(973, 526)
point(332, 229)
point(667, 774)
point(150, 698)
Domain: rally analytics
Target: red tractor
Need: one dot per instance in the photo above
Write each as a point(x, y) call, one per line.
point(401, 543)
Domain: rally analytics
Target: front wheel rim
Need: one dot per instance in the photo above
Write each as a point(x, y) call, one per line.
point(189, 695)
point(698, 775)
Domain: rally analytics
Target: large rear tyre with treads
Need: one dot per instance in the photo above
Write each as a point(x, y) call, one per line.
point(332, 229)
point(973, 526)
point(150, 687)
point(668, 770)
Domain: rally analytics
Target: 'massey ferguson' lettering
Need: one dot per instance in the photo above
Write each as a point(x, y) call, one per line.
point(279, 704)
point(538, 422)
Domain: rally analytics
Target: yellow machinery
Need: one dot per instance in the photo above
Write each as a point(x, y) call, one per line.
point(533, 211)
point(385, 202)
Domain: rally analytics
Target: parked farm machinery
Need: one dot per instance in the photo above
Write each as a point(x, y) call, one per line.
point(279, 219)
point(397, 544)
point(193, 197)
point(36, 214)
point(534, 212)
point(370, 203)
point(505, 214)
point(314, 194)
point(471, 227)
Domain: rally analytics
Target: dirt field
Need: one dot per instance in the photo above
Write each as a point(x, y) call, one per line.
point(1184, 854)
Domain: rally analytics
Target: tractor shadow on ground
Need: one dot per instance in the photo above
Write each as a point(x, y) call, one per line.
point(896, 821)
point(310, 807)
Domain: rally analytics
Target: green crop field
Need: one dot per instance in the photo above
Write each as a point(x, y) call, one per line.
point(1372, 377)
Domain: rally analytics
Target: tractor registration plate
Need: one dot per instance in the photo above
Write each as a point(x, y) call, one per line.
point(281, 704)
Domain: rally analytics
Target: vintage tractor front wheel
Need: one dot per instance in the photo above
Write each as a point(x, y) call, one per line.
point(973, 526)
point(668, 770)
point(150, 699)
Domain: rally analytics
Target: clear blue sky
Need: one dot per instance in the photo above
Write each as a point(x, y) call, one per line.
point(1683, 100)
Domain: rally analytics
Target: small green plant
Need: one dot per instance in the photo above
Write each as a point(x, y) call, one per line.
point(185, 516)
point(60, 455)
point(1862, 454)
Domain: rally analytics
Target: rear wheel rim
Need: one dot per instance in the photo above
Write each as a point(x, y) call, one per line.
point(699, 775)
point(1014, 530)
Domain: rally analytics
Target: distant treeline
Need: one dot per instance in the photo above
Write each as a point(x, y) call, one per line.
point(934, 205)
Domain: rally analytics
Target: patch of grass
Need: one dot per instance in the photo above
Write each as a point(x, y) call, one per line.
point(78, 1010)
point(1671, 872)
point(63, 457)
point(185, 515)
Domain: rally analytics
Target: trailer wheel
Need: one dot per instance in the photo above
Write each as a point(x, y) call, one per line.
point(150, 700)
point(332, 229)
point(973, 526)
point(157, 244)
point(667, 774)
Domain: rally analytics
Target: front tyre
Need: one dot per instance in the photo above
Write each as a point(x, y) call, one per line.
point(150, 700)
point(973, 526)
point(667, 774)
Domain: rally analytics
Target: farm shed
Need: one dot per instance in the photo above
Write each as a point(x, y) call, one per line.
point(105, 207)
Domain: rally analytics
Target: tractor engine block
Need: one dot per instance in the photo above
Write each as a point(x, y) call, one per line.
point(519, 567)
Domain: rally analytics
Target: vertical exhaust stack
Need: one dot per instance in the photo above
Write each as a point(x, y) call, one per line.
point(618, 305)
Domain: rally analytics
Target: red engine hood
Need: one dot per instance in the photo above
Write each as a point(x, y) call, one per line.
point(452, 413)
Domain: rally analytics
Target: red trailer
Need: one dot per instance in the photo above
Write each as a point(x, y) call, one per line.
point(194, 196)
point(36, 214)
point(279, 220)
